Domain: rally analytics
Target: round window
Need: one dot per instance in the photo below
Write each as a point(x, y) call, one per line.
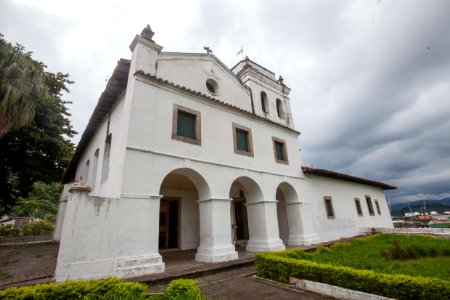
point(211, 85)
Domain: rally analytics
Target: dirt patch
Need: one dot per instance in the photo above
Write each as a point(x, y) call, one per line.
point(22, 262)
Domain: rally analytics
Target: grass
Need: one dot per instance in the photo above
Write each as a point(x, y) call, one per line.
point(388, 253)
point(429, 266)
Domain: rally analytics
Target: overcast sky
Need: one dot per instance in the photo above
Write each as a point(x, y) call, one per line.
point(370, 79)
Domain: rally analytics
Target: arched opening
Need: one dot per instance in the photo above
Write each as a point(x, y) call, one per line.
point(179, 212)
point(280, 110)
point(244, 219)
point(287, 218)
point(106, 155)
point(264, 103)
point(93, 180)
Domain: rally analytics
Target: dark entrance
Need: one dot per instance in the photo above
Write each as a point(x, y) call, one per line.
point(169, 215)
point(240, 215)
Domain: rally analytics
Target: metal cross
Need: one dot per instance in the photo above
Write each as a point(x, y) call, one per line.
point(208, 50)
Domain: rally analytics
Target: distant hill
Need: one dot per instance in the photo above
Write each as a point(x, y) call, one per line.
point(431, 205)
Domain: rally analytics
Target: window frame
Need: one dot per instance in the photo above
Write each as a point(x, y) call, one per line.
point(175, 136)
point(377, 206)
point(328, 199)
point(370, 205)
point(281, 141)
point(358, 207)
point(235, 127)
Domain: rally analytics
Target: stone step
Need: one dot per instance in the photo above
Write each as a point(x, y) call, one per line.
point(137, 261)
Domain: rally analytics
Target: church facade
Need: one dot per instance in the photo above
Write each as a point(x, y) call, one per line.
point(182, 152)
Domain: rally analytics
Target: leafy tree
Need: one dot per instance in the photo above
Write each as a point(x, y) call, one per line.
point(22, 82)
point(40, 150)
point(41, 202)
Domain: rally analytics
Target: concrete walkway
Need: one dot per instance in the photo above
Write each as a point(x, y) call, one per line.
point(182, 264)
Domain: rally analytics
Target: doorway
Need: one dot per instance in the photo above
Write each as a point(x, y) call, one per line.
point(239, 215)
point(169, 223)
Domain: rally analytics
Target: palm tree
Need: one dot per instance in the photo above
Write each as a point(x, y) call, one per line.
point(22, 81)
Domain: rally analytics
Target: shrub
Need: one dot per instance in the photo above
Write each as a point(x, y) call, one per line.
point(180, 289)
point(9, 231)
point(109, 288)
point(37, 228)
point(276, 267)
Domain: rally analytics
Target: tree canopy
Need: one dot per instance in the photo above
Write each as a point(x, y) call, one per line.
point(37, 147)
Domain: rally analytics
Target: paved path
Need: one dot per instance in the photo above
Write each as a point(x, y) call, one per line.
point(239, 284)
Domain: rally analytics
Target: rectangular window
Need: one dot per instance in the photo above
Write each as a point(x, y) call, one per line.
point(378, 207)
point(329, 207)
point(242, 138)
point(358, 207)
point(186, 125)
point(369, 205)
point(279, 148)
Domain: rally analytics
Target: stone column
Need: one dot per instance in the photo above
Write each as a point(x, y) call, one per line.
point(215, 231)
point(263, 226)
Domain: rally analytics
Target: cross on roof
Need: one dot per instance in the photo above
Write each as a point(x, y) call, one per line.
point(208, 50)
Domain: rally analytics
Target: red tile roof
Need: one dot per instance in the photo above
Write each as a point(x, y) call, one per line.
point(345, 177)
point(116, 84)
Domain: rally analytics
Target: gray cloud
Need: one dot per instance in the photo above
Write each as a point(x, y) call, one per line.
point(370, 81)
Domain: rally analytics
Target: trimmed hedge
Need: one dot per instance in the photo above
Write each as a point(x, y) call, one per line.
point(279, 266)
point(109, 288)
point(180, 289)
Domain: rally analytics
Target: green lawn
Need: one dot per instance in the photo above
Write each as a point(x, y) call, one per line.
point(388, 253)
point(429, 266)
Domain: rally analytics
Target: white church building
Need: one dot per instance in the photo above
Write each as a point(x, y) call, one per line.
point(182, 152)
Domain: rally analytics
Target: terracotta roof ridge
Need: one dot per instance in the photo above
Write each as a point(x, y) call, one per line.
point(215, 100)
point(346, 177)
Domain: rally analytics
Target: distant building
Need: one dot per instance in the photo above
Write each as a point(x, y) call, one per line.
point(17, 221)
point(180, 150)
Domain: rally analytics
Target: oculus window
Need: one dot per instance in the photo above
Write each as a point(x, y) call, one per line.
point(212, 86)
point(279, 149)
point(329, 207)
point(186, 125)
point(242, 138)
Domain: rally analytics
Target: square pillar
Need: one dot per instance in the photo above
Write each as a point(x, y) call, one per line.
point(215, 231)
point(108, 236)
point(263, 226)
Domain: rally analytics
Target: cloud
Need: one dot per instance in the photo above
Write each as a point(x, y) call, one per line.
point(370, 81)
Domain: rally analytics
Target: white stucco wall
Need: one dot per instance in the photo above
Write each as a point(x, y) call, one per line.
point(111, 186)
point(151, 129)
point(192, 71)
point(346, 222)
